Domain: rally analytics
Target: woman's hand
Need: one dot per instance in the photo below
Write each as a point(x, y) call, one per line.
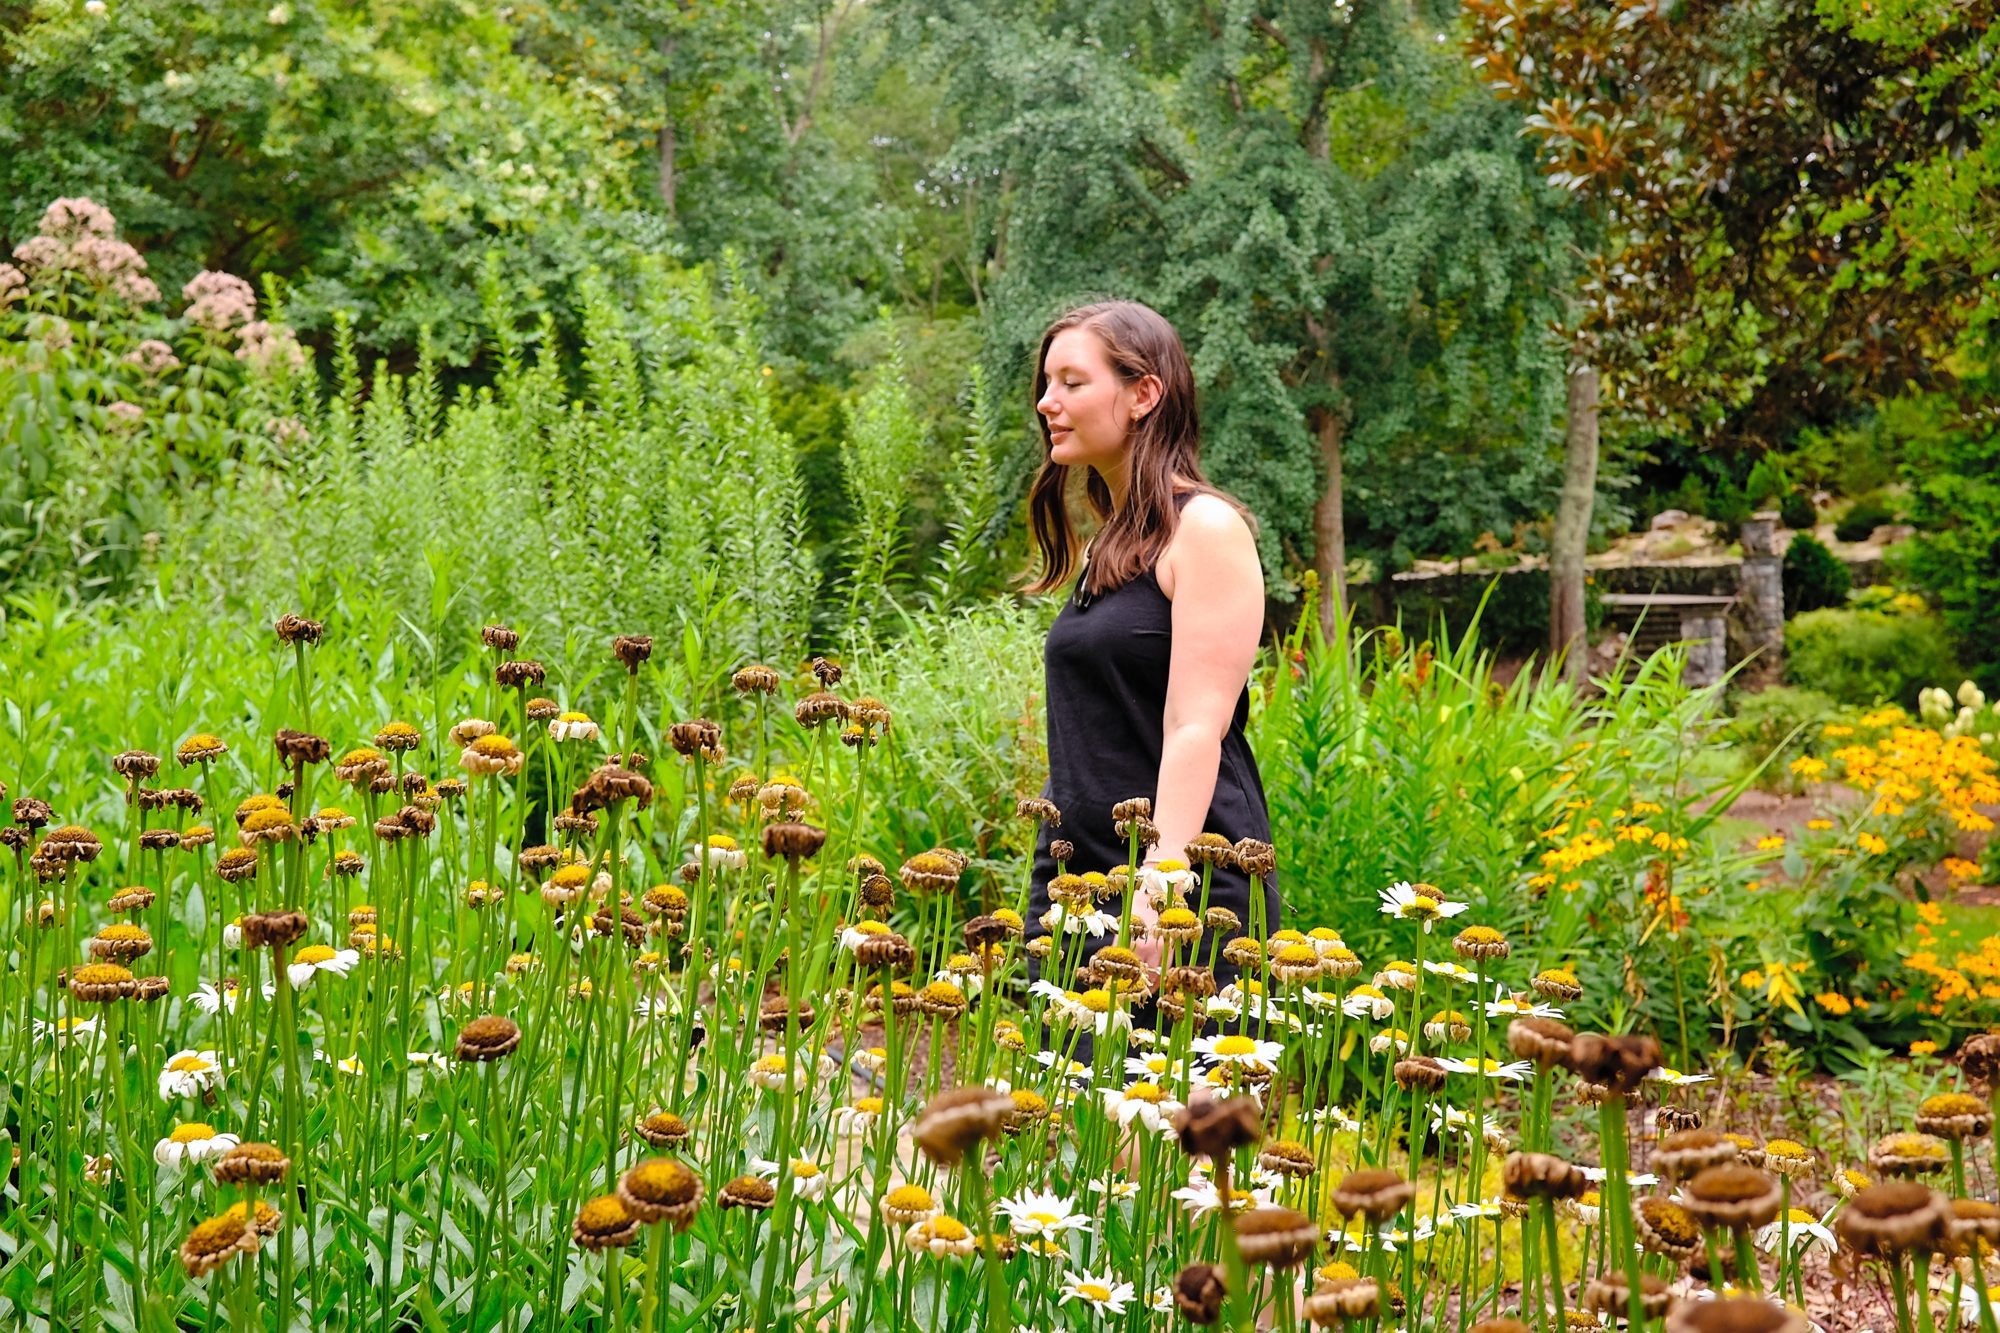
point(1145, 942)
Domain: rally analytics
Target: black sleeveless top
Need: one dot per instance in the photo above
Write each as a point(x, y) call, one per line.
point(1105, 668)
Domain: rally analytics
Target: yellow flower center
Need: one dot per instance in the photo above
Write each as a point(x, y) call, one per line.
point(1093, 1291)
point(188, 1064)
point(910, 1199)
point(194, 1132)
point(1146, 1092)
point(1235, 1045)
point(314, 953)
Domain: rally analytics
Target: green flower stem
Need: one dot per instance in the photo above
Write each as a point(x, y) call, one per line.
point(1555, 1269)
point(1899, 1289)
point(1617, 1200)
point(1236, 1303)
point(999, 1309)
point(1987, 1323)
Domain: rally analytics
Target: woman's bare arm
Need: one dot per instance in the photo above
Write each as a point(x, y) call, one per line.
point(1218, 617)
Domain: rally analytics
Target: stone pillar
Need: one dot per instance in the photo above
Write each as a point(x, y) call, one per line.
point(1706, 633)
point(1761, 593)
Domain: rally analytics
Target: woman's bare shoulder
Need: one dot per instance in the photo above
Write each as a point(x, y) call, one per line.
point(1213, 537)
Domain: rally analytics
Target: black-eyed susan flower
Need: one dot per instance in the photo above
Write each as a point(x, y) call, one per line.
point(102, 983)
point(252, 1163)
point(661, 1190)
point(215, 1242)
point(604, 1223)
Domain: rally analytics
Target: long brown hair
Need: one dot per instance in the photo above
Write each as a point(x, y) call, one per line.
point(1164, 443)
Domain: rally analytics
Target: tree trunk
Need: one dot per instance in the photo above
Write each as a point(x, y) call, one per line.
point(667, 147)
point(1330, 523)
point(669, 136)
point(1566, 621)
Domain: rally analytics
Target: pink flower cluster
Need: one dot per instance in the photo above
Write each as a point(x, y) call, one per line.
point(218, 301)
point(153, 357)
point(13, 284)
point(80, 236)
point(265, 343)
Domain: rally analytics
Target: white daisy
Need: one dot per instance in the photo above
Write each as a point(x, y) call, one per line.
point(1156, 1068)
point(347, 1065)
point(858, 1116)
point(1092, 923)
point(1237, 1049)
point(1451, 1119)
point(572, 727)
point(724, 854)
point(1514, 1071)
point(189, 1074)
point(1070, 1068)
point(1120, 1190)
point(1042, 1214)
point(1148, 1103)
point(1160, 884)
point(1638, 1180)
point(1357, 1243)
point(1807, 1232)
point(1968, 1303)
point(1103, 1293)
point(1333, 1115)
point(1368, 1002)
point(1674, 1078)
point(808, 1181)
point(851, 938)
point(232, 934)
point(1451, 971)
point(430, 1060)
point(192, 1142)
point(65, 1030)
point(1418, 902)
point(1160, 1300)
point(209, 997)
point(967, 979)
point(1200, 1198)
point(1519, 1004)
point(1390, 1038)
point(314, 959)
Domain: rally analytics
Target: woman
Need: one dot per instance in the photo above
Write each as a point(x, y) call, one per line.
point(1147, 665)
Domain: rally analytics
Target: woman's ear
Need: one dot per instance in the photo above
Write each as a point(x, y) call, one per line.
point(1145, 395)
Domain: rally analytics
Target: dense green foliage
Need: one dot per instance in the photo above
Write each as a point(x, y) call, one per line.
point(1815, 578)
point(1353, 236)
point(1954, 476)
point(1867, 657)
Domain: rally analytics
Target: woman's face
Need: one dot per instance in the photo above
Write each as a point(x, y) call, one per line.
point(1088, 408)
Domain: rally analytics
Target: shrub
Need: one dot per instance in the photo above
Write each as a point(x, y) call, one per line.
point(1763, 720)
point(1864, 657)
point(1954, 473)
point(1863, 517)
point(1814, 576)
point(1796, 512)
